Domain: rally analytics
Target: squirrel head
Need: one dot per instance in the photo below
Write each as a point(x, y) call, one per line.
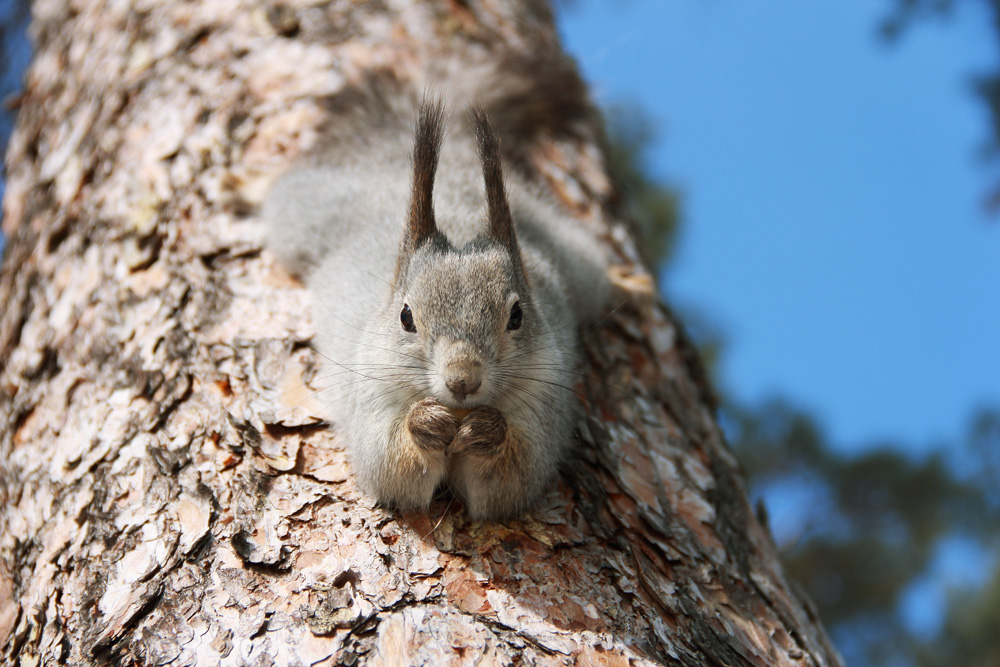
point(460, 310)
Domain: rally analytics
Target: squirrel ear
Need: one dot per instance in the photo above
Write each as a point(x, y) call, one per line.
point(500, 222)
point(426, 147)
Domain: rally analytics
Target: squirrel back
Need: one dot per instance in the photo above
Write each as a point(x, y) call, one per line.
point(449, 294)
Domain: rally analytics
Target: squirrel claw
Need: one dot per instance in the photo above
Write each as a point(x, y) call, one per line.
point(431, 424)
point(482, 433)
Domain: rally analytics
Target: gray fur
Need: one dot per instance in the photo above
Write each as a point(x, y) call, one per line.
point(340, 219)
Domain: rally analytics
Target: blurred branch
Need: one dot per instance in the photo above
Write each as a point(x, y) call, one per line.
point(986, 85)
point(880, 531)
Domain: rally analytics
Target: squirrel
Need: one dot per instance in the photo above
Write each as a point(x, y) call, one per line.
point(449, 298)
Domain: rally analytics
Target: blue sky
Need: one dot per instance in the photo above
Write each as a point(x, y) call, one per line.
point(833, 188)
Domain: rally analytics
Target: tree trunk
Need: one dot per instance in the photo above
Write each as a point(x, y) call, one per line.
point(167, 497)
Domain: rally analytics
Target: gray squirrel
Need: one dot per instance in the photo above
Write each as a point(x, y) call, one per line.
point(449, 319)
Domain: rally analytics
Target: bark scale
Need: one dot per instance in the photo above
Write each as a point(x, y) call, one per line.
point(167, 497)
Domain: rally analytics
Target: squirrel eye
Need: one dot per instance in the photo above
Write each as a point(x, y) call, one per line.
point(515, 317)
point(406, 318)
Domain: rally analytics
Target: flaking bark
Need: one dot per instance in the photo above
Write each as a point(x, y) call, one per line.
point(167, 497)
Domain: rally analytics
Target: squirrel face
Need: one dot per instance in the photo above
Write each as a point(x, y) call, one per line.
point(461, 310)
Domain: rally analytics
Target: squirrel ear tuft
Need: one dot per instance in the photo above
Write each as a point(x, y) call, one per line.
point(426, 148)
point(499, 220)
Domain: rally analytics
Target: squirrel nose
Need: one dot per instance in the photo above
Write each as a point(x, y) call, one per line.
point(462, 387)
point(462, 368)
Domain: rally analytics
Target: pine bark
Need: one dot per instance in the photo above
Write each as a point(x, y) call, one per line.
point(166, 495)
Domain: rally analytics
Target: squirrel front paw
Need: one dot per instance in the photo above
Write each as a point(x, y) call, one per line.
point(432, 425)
point(481, 433)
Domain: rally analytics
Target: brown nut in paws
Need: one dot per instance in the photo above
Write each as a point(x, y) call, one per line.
point(431, 424)
point(481, 433)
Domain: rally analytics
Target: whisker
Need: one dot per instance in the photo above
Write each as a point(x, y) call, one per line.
point(443, 514)
point(369, 345)
point(580, 374)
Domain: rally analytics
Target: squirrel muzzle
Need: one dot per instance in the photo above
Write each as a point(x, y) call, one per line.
point(462, 371)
